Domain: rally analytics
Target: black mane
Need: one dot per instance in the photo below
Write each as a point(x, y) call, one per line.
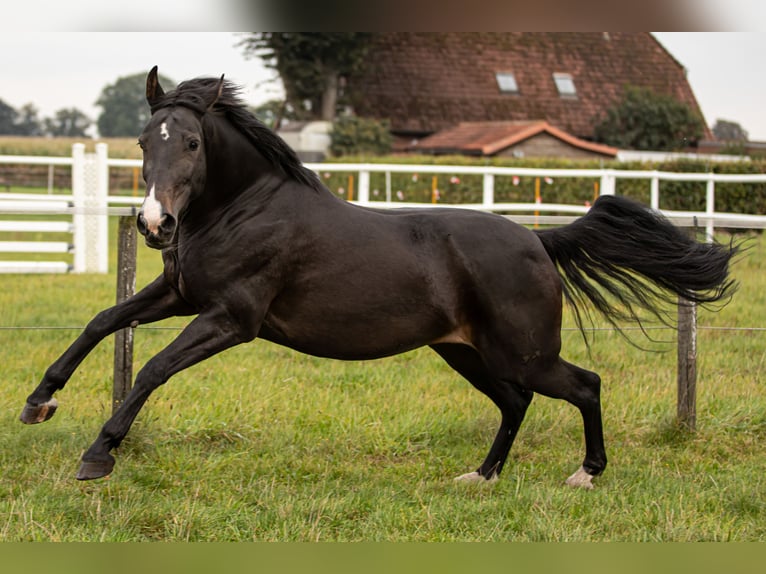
point(194, 93)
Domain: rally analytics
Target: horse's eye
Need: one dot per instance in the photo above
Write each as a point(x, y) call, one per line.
point(193, 145)
point(141, 145)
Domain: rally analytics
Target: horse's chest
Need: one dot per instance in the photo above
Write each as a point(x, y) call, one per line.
point(196, 285)
point(193, 277)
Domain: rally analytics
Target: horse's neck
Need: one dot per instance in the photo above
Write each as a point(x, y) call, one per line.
point(233, 180)
point(233, 164)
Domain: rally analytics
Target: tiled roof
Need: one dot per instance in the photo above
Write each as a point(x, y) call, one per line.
point(426, 82)
point(489, 138)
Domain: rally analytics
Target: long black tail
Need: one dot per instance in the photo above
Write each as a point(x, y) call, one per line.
point(625, 258)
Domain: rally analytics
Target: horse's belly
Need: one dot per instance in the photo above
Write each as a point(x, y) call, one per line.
point(356, 336)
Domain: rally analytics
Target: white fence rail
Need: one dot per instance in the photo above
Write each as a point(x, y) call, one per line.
point(608, 185)
point(85, 216)
point(90, 204)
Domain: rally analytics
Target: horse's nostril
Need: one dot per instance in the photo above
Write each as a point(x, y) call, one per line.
point(141, 224)
point(165, 229)
point(167, 224)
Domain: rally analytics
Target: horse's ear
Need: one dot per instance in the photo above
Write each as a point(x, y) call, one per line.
point(154, 91)
point(215, 94)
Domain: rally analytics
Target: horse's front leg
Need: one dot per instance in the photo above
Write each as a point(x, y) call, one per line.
point(156, 301)
point(207, 335)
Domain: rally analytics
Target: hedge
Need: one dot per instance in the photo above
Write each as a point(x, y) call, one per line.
point(464, 188)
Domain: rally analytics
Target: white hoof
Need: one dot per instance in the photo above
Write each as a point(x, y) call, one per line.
point(475, 477)
point(580, 479)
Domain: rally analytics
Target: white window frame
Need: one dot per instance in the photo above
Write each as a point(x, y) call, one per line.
point(565, 85)
point(506, 82)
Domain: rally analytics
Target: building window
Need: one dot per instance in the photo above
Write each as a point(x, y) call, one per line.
point(565, 84)
point(506, 81)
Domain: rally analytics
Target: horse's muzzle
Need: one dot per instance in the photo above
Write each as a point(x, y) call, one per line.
point(164, 233)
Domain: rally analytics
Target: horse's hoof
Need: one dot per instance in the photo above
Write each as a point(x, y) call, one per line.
point(92, 469)
point(580, 479)
point(33, 414)
point(476, 477)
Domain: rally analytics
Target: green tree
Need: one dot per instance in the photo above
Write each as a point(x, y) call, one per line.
point(646, 120)
point(68, 122)
point(727, 131)
point(28, 121)
point(125, 111)
point(312, 65)
point(352, 135)
point(8, 118)
point(271, 113)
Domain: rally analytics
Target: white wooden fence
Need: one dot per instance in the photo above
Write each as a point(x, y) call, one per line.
point(608, 185)
point(88, 206)
point(86, 222)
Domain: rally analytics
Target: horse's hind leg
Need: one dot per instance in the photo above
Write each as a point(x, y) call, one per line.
point(582, 389)
point(509, 398)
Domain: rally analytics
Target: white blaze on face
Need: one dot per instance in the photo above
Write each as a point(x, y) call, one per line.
point(152, 211)
point(164, 133)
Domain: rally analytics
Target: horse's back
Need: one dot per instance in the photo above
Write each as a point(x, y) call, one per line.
point(488, 250)
point(512, 281)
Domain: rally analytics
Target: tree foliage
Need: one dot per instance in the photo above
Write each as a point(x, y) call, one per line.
point(8, 118)
point(270, 113)
point(68, 122)
point(727, 131)
point(352, 135)
point(645, 120)
point(26, 121)
point(312, 66)
point(125, 111)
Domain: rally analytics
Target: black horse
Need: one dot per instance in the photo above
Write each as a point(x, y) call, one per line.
point(255, 246)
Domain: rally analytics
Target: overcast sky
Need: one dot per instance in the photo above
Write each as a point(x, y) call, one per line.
point(55, 70)
point(725, 72)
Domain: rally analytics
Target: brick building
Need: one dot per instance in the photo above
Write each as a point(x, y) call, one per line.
point(425, 83)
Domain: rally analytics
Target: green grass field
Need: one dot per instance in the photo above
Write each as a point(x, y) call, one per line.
point(264, 444)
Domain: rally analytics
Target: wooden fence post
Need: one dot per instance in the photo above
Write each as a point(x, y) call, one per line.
point(687, 364)
point(687, 360)
point(126, 286)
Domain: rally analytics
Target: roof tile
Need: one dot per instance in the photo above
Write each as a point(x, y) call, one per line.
point(425, 82)
point(489, 138)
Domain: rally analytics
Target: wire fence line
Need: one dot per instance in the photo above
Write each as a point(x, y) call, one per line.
point(160, 328)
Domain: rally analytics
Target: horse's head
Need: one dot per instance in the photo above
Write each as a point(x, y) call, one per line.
point(174, 160)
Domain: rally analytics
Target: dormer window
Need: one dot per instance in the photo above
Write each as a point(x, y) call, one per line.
point(506, 81)
point(565, 85)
